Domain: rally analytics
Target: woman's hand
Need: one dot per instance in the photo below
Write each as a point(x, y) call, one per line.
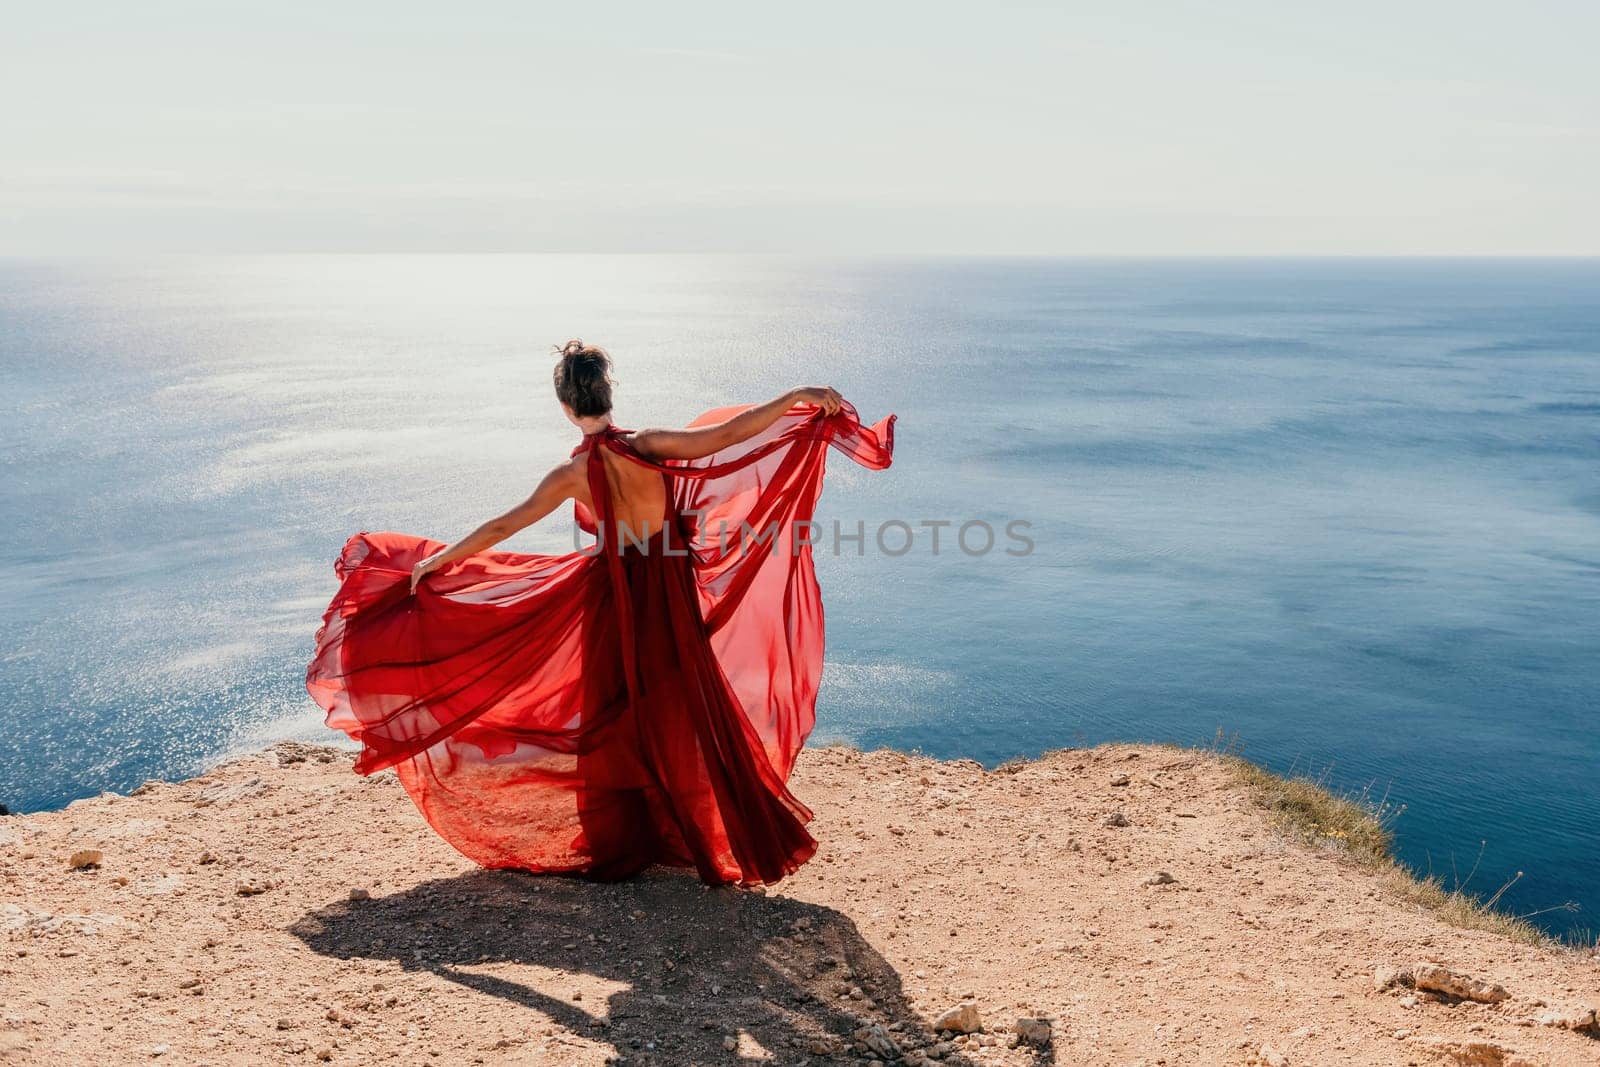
point(425, 568)
point(824, 396)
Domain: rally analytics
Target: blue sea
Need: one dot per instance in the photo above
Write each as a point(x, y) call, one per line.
point(1342, 514)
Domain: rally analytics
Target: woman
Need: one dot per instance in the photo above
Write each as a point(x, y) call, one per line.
point(639, 702)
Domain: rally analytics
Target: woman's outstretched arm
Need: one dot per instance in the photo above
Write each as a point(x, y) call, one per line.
point(700, 441)
point(560, 484)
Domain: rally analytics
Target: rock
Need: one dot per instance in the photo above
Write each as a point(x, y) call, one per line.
point(1436, 979)
point(961, 1019)
point(205, 858)
point(1116, 818)
point(27, 923)
point(360, 894)
point(1580, 1019)
point(878, 1040)
point(85, 859)
point(292, 752)
point(1160, 878)
point(227, 792)
point(730, 1043)
point(1478, 1054)
point(826, 1045)
point(159, 1050)
point(250, 886)
point(1031, 1031)
point(1386, 977)
point(1272, 1057)
point(1120, 779)
point(4, 810)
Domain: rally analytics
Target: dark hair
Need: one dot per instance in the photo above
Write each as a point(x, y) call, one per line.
point(583, 378)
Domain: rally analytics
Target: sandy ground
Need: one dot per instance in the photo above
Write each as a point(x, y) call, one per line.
point(936, 883)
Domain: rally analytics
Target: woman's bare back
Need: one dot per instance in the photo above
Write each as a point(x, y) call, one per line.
point(638, 496)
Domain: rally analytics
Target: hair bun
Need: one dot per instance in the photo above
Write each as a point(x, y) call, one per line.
point(583, 378)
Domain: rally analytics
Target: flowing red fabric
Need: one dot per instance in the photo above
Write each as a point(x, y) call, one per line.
point(625, 704)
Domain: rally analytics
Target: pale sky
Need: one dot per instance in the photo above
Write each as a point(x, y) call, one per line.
point(1437, 127)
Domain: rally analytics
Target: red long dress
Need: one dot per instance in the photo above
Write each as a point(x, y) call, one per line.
point(618, 706)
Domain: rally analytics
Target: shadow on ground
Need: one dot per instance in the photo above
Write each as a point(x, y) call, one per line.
point(696, 964)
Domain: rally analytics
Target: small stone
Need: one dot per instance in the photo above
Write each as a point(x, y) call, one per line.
point(1580, 1019)
point(1271, 1057)
point(1436, 979)
point(1032, 1031)
point(730, 1043)
point(1116, 818)
point(1160, 878)
point(159, 1050)
point(249, 887)
point(324, 1054)
point(1120, 779)
point(227, 792)
point(1385, 977)
point(85, 859)
point(360, 894)
point(961, 1019)
point(877, 1040)
point(291, 752)
point(206, 858)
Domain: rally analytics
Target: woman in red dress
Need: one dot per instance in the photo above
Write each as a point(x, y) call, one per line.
point(640, 701)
